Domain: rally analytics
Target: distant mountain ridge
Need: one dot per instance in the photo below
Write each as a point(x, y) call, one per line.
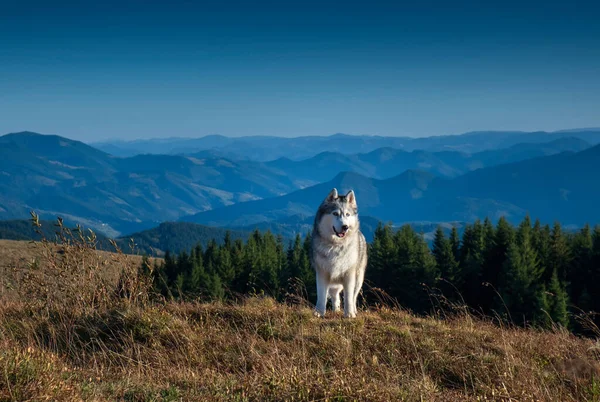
point(262, 148)
point(58, 176)
point(384, 163)
point(563, 187)
point(54, 176)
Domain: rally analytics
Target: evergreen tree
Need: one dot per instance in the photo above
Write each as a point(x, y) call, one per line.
point(198, 279)
point(414, 268)
point(215, 288)
point(225, 269)
point(252, 263)
point(523, 292)
point(558, 301)
point(227, 242)
point(211, 257)
point(594, 291)
point(184, 271)
point(238, 258)
point(170, 268)
point(446, 263)
point(472, 253)
point(495, 261)
point(559, 255)
point(581, 266)
point(455, 243)
point(381, 254)
point(294, 255)
point(269, 272)
point(540, 238)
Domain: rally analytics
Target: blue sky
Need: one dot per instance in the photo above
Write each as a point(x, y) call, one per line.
point(133, 69)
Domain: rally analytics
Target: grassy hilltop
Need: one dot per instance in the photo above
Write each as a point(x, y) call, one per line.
point(77, 324)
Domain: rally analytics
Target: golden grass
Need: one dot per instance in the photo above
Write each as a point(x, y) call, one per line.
point(67, 333)
point(263, 350)
point(20, 255)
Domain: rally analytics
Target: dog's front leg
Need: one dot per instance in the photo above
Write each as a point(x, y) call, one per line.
point(349, 305)
point(322, 288)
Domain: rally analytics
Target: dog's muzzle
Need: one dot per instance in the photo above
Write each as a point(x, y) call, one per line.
point(341, 233)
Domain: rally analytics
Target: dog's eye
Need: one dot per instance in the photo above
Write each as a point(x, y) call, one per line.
point(347, 213)
point(336, 213)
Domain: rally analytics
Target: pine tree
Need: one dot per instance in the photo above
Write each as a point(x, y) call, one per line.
point(252, 263)
point(580, 267)
point(523, 292)
point(216, 291)
point(488, 274)
point(559, 255)
point(198, 279)
point(238, 258)
point(269, 272)
point(170, 268)
point(594, 291)
point(472, 257)
point(446, 263)
point(184, 271)
point(558, 301)
point(413, 271)
point(309, 273)
point(293, 271)
point(495, 261)
point(225, 268)
point(540, 238)
point(211, 257)
point(227, 243)
point(455, 243)
point(382, 254)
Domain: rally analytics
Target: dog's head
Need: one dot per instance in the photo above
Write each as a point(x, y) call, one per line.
point(338, 216)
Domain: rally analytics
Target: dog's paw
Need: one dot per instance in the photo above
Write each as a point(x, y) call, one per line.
point(317, 314)
point(351, 315)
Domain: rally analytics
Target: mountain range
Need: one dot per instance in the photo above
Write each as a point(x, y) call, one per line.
point(563, 187)
point(264, 148)
point(549, 175)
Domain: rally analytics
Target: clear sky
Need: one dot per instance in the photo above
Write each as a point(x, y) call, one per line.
point(92, 70)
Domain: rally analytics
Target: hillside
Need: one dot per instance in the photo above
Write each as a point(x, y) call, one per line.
point(559, 187)
point(179, 236)
point(262, 350)
point(22, 229)
point(404, 198)
point(384, 163)
point(262, 148)
point(87, 326)
point(563, 187)
point(172, 236)
point(57, 176)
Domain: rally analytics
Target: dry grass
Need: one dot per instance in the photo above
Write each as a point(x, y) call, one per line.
point(20, 255)
point(263, 350)
point(77, 345)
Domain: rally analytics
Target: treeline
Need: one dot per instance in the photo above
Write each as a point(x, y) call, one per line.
point(262, 264)
point(530, 274)
point(179, 236)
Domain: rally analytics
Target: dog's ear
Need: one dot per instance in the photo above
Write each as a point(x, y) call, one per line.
point(351, 198)
point(333, 195)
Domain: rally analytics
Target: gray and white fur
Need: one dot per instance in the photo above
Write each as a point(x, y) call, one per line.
point(338, 252)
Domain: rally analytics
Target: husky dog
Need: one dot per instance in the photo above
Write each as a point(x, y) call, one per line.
point(338, 253)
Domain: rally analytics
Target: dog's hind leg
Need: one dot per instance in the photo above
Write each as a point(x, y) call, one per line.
point(349, 298)
point(359, 282)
